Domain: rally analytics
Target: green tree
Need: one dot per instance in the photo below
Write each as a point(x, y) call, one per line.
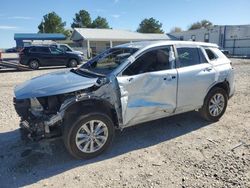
point(150, 25)
point(206, 23)
point(100, 22)
point(175, 30)
point(52, 23)
point(201, 24)
point(82, 19)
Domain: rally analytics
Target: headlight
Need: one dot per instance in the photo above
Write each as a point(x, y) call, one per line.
point(80, 56)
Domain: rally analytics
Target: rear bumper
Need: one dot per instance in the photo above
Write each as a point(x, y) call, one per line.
point(232, 91)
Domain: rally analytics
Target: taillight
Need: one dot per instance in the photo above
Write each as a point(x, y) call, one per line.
point(231, 64)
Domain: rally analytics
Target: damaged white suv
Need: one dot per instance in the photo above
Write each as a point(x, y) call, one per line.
point(124, 86)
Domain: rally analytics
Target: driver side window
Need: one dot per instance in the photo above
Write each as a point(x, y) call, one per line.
point(55, 50)
point(154, 60)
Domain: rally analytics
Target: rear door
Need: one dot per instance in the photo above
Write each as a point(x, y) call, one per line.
point(148, 87)
point(41, 53)
point(196, 75)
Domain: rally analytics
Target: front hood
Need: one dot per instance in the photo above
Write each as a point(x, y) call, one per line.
point(53, 84)
point(79, 52)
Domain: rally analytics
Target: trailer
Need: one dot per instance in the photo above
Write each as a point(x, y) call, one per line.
point(11, 61)
point(13, 65)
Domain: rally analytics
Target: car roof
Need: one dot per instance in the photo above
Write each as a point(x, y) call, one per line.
point(147, 44)
point(36, 46)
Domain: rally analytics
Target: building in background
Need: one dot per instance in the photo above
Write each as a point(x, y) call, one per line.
point(234, 38)
point(26, 39)
point(94, 41)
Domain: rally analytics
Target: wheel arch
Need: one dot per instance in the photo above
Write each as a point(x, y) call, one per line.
point(73, 58)
point(91, 105)
point(223, 85)
point(34, 58)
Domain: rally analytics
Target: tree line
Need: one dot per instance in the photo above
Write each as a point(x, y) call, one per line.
point(53, 23)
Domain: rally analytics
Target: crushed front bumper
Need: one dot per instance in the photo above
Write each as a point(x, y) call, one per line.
point(37, 130)
point(37, 127)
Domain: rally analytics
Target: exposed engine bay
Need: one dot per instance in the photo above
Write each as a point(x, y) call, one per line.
point(43, 117)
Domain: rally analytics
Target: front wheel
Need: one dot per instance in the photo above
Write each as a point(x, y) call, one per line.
point(89, 136)
point(72, 63)
point(215, 104)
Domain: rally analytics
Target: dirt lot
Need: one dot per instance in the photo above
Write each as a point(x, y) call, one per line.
point(181, 151)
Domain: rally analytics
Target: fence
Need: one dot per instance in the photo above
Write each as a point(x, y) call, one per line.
point(238, 47)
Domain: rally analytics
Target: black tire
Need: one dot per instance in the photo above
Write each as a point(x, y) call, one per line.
point(206, 113)
point(71, 129)
point(34, 64)
point(72, 63)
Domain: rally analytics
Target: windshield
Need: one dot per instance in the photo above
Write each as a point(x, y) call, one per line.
point(108, 61)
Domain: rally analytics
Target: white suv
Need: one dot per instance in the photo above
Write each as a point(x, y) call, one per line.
point(124, 86)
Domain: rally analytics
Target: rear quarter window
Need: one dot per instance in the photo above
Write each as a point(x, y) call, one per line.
point(211, 55)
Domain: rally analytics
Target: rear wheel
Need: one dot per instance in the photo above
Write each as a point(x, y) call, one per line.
point(34, 64)
point(215, 104)
point(89, 135)
point(72, 63)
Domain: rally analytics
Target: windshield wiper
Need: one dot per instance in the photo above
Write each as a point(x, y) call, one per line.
point(82, 73)
point(91, 72)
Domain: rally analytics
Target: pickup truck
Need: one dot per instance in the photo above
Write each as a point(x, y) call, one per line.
point(124, 86)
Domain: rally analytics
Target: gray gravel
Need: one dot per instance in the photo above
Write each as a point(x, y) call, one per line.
point(181, 151)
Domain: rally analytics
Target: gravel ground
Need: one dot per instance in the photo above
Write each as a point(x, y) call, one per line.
point(181, 151)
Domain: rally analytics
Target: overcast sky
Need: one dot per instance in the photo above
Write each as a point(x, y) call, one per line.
point(18, 16)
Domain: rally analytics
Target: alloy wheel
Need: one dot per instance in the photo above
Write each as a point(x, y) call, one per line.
point(91, 136)
point(216, 104)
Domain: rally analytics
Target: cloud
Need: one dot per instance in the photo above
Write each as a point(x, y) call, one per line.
point(21, 18)
point(7, 27)
point(116, 1)
point(116, 16)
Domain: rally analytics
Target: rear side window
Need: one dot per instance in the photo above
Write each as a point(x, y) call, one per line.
point(44, 50)
point(188, 56)
point(39, 50)
point(211, 55)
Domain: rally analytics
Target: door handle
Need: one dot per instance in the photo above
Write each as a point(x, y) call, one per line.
point(130, 79)
point(208, 69)
point(169, 77)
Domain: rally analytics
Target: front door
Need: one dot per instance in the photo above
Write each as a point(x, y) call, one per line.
point(148, 87)
point(58, 56)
